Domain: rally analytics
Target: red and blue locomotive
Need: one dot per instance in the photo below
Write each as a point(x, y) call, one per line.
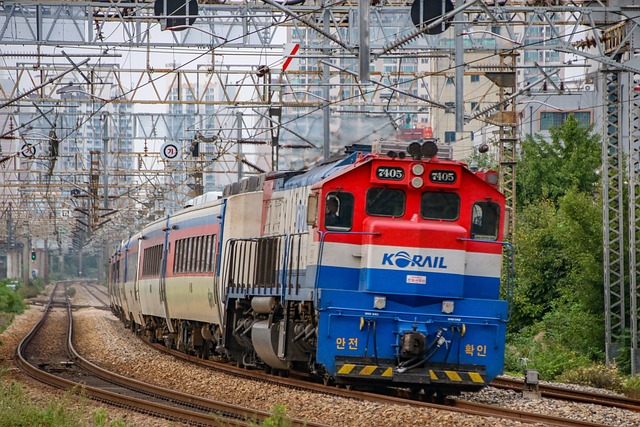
point(378, 269)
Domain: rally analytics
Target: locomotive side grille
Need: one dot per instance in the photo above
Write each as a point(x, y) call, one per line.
point(263, 265)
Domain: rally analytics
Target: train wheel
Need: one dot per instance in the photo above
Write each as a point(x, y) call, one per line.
point(169, 343)
point(440, 398)
point(205, 350)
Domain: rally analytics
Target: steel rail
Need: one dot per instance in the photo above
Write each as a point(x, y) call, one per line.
point(87, 287)
point(561, 393)
point(140, 405)
point(172, 395)
point(452, 405)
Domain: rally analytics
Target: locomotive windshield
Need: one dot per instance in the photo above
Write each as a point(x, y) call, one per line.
point(385, 202)
point(440, 205)
point(485, 221)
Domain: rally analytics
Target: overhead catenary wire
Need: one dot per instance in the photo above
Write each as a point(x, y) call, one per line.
point(206, 53)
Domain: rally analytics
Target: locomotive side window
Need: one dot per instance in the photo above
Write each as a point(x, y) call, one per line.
point(485, 220)
point(385, 202)
point(338, 211)
point(440, 205)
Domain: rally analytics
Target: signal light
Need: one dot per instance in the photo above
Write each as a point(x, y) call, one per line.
point(195, 148)
point(33, 254)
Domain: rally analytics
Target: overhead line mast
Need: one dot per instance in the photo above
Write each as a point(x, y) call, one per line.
point(610, 29)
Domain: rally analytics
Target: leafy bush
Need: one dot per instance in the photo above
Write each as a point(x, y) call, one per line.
point(10, 301)
point(35, 288)
point(595, 376)
point(574, 327)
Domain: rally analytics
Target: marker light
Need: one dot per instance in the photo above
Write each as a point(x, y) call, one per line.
point(414, 149)
point(492, 178)
point(429, 149)
point(417, 182)
point(417, 169)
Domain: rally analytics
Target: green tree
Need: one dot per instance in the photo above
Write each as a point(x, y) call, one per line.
point(539, 264)
point(558, 320)
point(559, 229)
point(569, 159)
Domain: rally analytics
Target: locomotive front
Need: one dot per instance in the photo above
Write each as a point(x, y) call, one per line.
point(407, 279)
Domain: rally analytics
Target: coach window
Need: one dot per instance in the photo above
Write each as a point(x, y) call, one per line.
point(189, 255)
point(200, 265)
point(176, 257)
point(485, 221)
point(440, 205)
point(385, 202)
point(211, 245)
point(338, 211)
point(181, 255)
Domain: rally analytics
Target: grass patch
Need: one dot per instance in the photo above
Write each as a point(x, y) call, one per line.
point(278, 418)
point(17, 410)
point(596, 375)
point(5, 321)
point(548, 357)
point(631, 387)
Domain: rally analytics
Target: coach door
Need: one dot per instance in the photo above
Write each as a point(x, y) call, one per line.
point(136, 281)
point(163, 278)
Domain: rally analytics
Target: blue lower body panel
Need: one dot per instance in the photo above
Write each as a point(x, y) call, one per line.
point(360, 335)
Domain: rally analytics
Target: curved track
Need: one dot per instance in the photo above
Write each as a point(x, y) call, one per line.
point(560, 393)
point(66, 369)
point(453, 405)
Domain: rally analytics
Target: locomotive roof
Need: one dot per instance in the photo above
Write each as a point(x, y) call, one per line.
point(320, 172)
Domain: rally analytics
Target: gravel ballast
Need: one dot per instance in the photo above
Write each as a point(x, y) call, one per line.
point(129, 357)
point(102, 339)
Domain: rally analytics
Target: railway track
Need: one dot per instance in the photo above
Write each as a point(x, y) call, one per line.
point(61, 366)
point(453, 405)
point(560, 393)
point(90, 288)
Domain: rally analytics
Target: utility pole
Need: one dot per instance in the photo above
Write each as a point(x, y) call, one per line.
point(239, 148)
point(326, 90)
point(459, 72)
point(105, 158)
